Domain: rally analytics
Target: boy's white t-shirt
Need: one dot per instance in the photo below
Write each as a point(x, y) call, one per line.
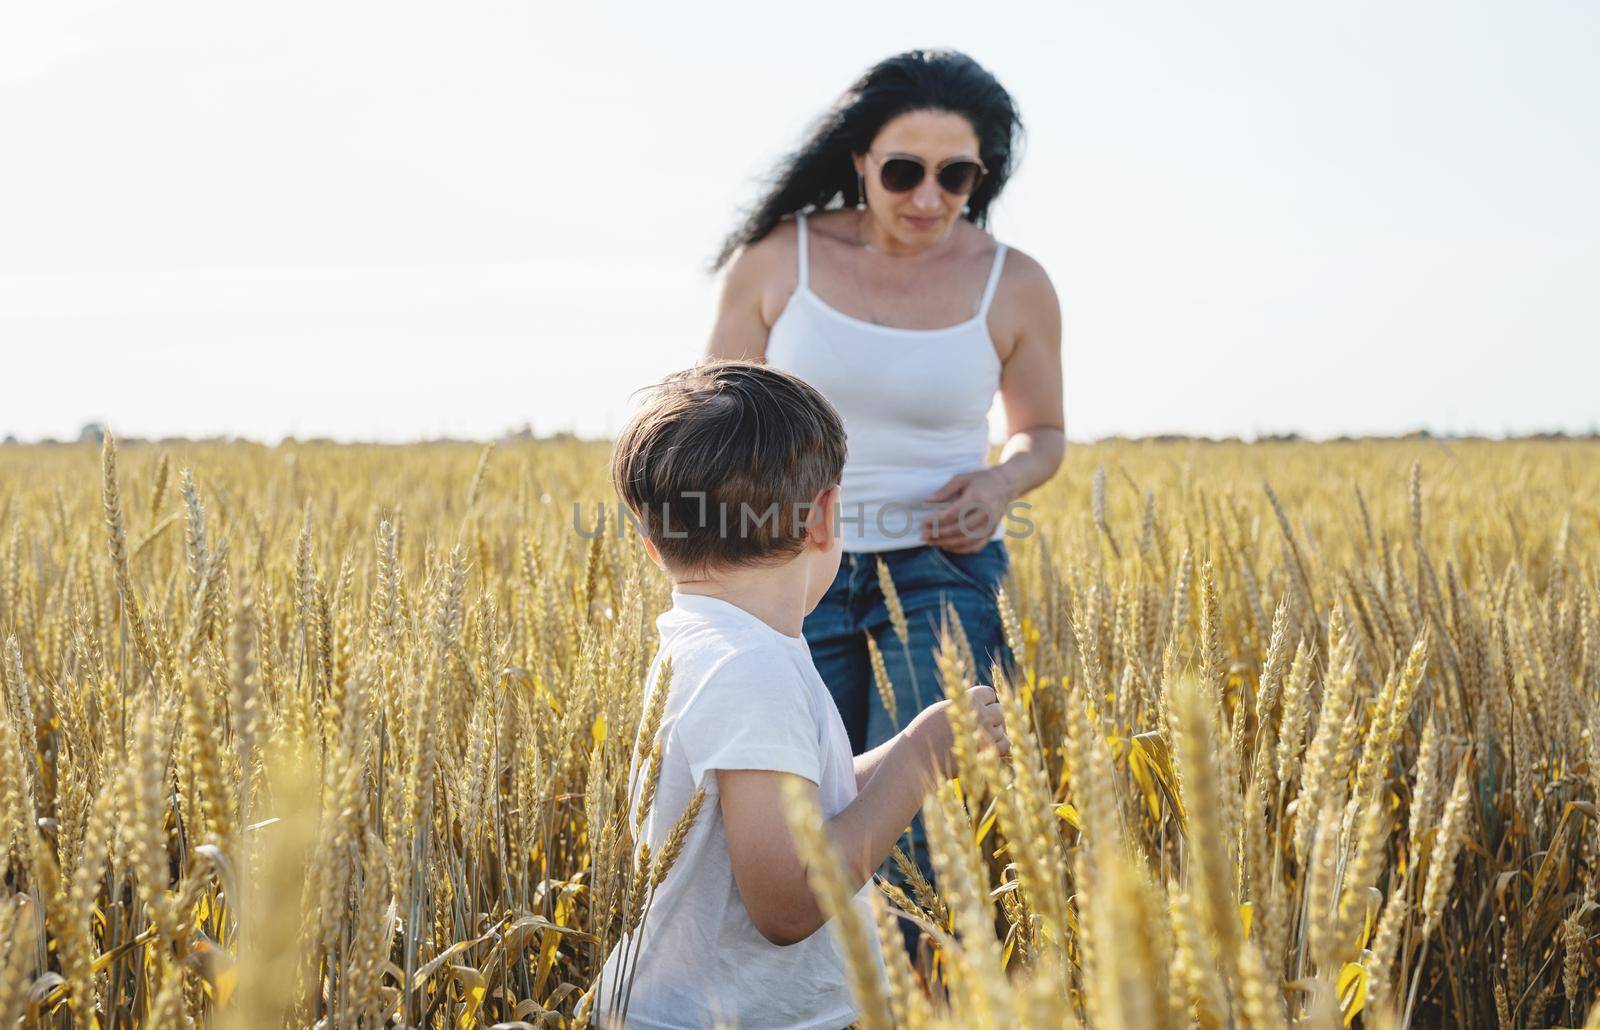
point(742, 696)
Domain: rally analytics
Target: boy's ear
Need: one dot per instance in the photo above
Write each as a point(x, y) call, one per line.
point(655, 555)
point(825, 520)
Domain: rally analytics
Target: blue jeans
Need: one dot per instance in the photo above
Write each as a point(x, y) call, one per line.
point(926, 578)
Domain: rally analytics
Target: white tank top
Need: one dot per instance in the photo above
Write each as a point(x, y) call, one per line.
point(915, 404)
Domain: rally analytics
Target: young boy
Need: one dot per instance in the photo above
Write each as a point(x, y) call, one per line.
point(732, 471)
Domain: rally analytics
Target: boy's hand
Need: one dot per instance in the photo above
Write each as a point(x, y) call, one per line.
point(935, 737)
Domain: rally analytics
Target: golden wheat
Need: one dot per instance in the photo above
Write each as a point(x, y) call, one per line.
point(1301, 732)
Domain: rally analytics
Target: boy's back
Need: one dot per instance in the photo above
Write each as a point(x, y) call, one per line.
point(742, 696)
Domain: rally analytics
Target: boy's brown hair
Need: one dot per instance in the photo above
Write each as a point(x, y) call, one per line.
point(720, 465)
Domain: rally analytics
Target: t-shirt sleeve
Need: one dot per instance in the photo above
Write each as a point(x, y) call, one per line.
point(751, 712)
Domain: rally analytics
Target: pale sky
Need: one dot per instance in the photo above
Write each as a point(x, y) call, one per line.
point(397, 220)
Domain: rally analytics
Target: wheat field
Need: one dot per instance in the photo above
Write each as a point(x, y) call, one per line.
point(340, 736)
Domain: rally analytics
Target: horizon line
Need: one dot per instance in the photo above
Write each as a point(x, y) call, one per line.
point(95, 433)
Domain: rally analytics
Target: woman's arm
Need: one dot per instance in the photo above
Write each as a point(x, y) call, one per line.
point(1031, 390)
point(770, 872)
point(741, 326)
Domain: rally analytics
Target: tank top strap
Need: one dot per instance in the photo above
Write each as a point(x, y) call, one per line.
point(994, 279)
point(804, 261)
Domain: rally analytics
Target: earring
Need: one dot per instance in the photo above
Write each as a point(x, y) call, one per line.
point(966, 208)
point(861, 191)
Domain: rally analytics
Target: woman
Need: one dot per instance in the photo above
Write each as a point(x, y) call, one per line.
point(885, 292)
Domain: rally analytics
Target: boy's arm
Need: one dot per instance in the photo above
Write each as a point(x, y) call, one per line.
point(867, 764)
point(770, 873)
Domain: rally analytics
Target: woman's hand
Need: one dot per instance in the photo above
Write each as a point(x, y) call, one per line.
point(935, 737)
point(977, 503)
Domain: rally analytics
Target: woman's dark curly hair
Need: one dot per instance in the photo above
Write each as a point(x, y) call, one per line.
point(917, 80)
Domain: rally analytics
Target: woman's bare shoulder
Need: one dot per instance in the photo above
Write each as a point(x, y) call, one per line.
point(839, 222)
point(1025, 304)
point(758, 279)
point(761, 262)
point(1025, 278)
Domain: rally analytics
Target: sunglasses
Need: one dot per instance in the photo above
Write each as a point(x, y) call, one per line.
point(903, 174)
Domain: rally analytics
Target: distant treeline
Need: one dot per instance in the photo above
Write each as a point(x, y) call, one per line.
point(94, 433)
